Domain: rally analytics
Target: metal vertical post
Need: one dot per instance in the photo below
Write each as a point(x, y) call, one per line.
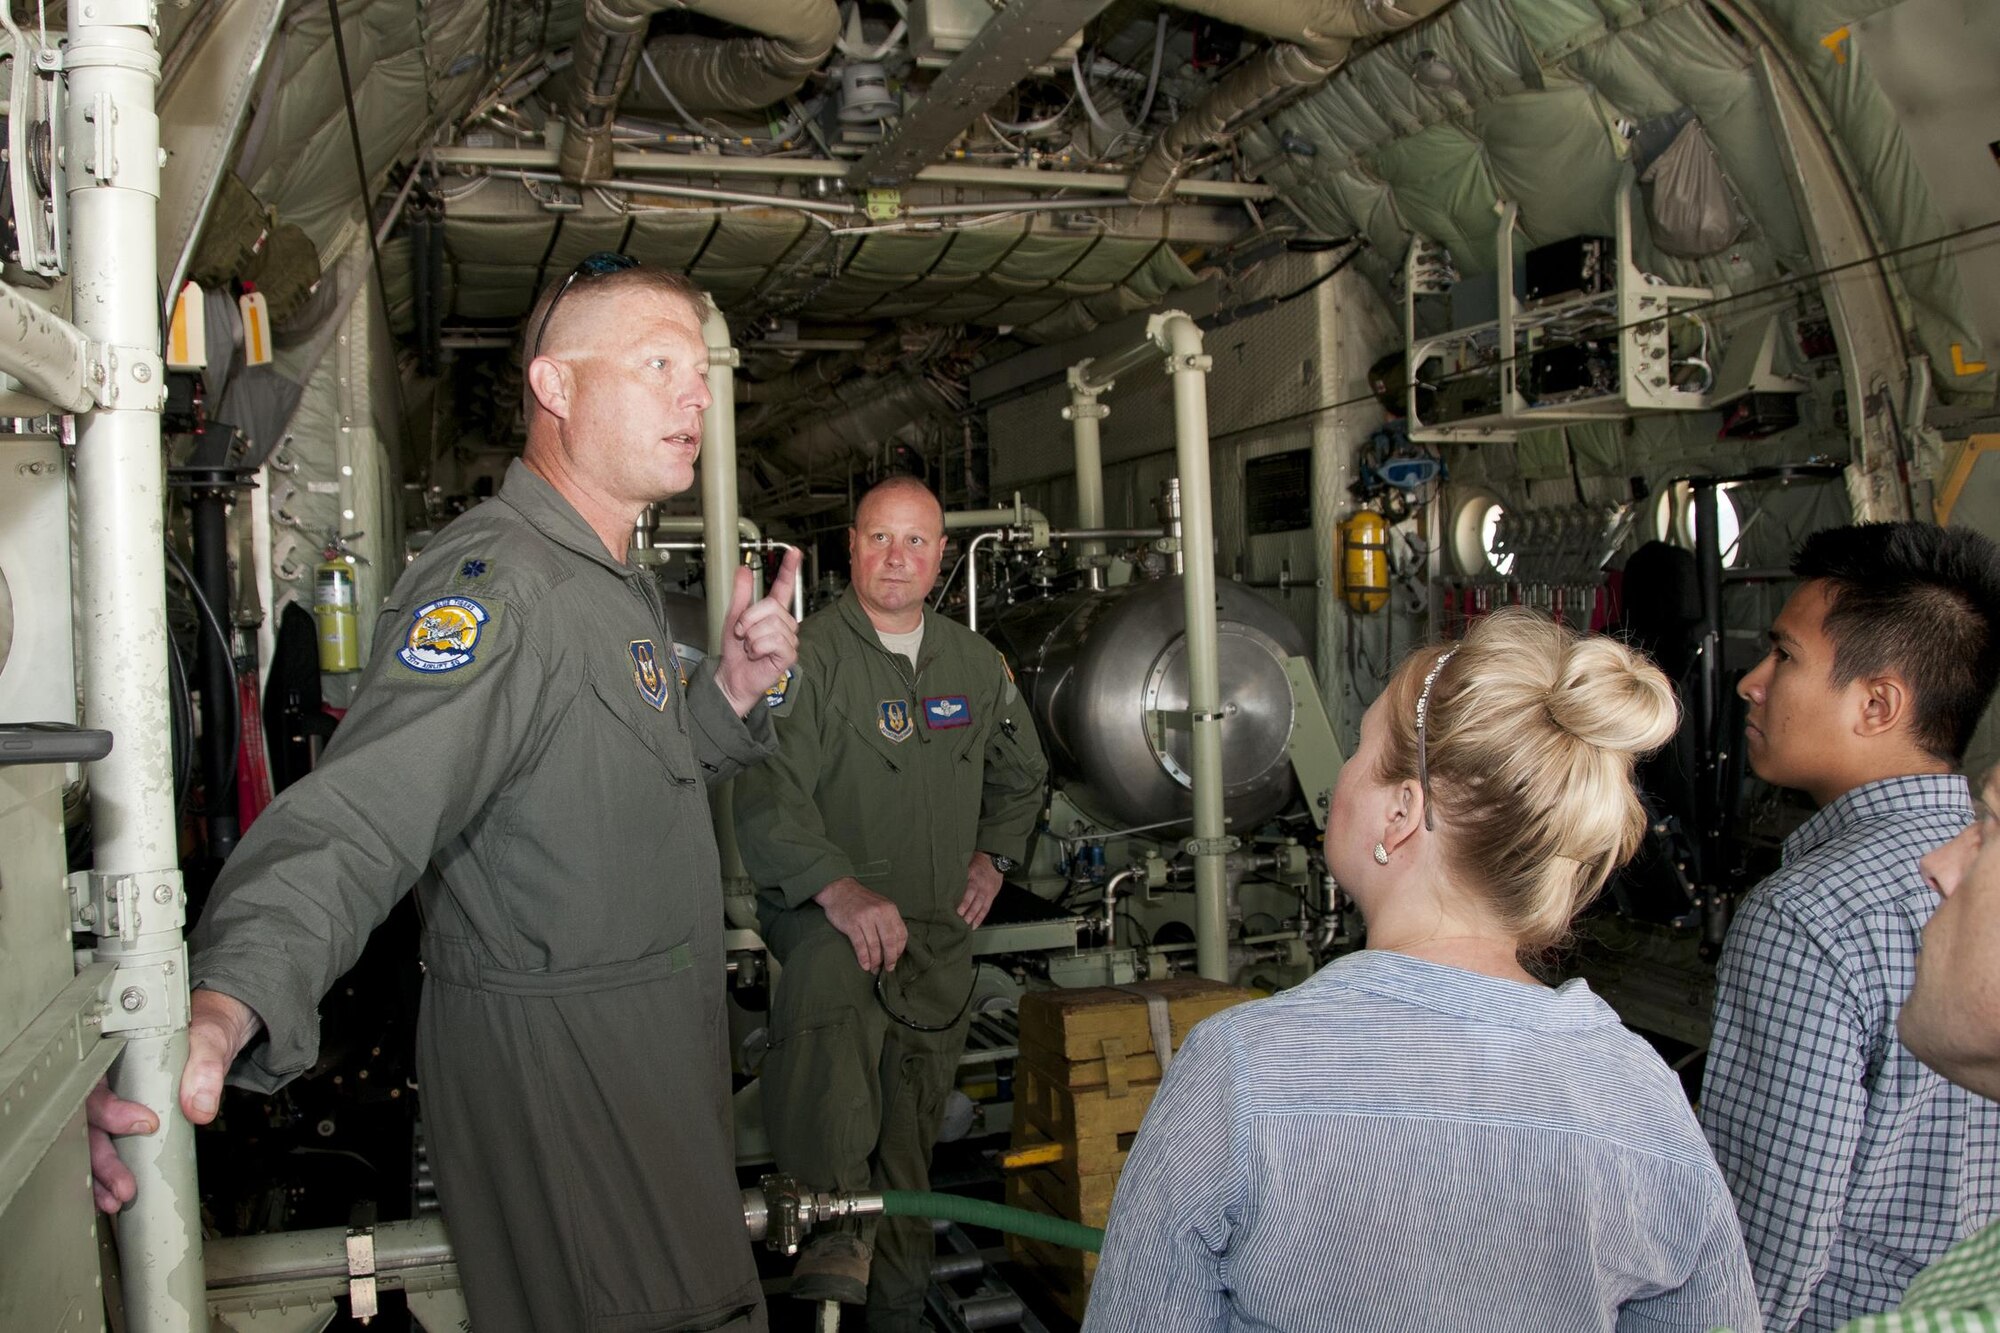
point(111, 137)
point(216, 665)
point(1084, 412)
point(1708, 566)
point(1179, 337)
point(720, 554)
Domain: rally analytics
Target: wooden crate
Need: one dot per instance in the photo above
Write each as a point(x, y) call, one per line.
point(1084, 1078)
point(1101, 1035)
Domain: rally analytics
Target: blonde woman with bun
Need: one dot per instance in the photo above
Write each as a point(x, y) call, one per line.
point(1423, 1136)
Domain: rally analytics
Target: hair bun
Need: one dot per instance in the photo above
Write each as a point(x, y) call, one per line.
point(1611, 697)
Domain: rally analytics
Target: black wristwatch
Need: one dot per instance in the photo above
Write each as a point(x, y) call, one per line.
point(1003, 864)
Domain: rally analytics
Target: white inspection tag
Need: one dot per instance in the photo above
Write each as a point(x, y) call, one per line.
point(256, 329)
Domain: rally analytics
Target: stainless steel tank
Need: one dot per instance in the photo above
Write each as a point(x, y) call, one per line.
point(1095, 665)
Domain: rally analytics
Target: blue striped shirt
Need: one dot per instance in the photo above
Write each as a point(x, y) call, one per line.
point(1401, 1145)
point(1853, 1165)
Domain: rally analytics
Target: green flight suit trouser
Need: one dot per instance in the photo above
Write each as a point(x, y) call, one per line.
point(839, 1066)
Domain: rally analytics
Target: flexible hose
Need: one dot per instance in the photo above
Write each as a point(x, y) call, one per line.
point(997, 1216)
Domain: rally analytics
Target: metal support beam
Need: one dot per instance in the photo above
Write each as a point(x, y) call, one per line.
point(1004, 52)
point(202, 112)
point(1861, 301)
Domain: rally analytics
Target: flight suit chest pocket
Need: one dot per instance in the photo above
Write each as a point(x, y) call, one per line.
point(885, 727)
point(657, 730)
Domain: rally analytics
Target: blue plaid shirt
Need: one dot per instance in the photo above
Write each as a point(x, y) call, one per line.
point(1853, 1165)
point(1401, 1145)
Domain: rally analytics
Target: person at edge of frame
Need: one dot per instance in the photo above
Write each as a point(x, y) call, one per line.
point(1854, 1165)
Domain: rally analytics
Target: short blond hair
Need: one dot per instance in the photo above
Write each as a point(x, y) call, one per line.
point(586, 290)
point(1531, 734)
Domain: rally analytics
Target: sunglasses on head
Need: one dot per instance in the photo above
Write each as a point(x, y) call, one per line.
point(598, 264)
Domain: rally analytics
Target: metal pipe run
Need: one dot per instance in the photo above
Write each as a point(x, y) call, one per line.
point(798, 585)
point(286, 1257)
point(972, 578)
point(1179, 336)
point(45, 353)
point(711, 165)
point(1106, 534)
point(702, 193)
point(111, 137)
point(1083, 414)
point(695, 525)
point(1020, 516)
point(720, 554)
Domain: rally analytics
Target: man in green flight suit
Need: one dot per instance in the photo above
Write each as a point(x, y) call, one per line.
point(524, 751)
point(907, 781)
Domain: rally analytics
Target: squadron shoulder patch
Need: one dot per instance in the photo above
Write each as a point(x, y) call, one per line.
point(895, 722)
point(646, 673)
point(442, 635)
point(774, 697)
point(947, 711)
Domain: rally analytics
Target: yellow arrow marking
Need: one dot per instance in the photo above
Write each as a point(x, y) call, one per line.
point(1960, 366)
point(1836, 42)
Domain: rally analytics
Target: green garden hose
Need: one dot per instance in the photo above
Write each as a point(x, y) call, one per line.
point(997, 1216)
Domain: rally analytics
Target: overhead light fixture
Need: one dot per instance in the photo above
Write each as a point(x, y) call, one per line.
point(864, 85)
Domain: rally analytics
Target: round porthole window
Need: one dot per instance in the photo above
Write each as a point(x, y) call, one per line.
point(1677, 525)
point(1474, 533)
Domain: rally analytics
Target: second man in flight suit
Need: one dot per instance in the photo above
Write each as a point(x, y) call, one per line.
point(907, 769)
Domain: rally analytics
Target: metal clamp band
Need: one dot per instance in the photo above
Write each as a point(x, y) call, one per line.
point(119, 905)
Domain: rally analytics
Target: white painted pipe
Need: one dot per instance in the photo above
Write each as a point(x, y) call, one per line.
point(44, 352)
point(1180, 338)
point(111, 138)
point(283, 1259)
point(1020, 516)
point(720, 556)
point(685, 524)
point(1084, 412)
point(972, 578)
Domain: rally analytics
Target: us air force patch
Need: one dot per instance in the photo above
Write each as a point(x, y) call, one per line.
point(946, 712)
point(895, 723)
point(774, 697)
point(646, 673)
point(442, 635)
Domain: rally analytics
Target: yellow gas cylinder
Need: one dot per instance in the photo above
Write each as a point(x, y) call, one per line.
point(333, 609)
point(1364, 561)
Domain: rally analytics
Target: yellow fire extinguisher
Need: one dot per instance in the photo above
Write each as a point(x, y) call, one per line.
point(1364, 561)
point(333, 609)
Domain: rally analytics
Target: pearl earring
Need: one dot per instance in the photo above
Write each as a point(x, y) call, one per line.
point(1381, 855)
